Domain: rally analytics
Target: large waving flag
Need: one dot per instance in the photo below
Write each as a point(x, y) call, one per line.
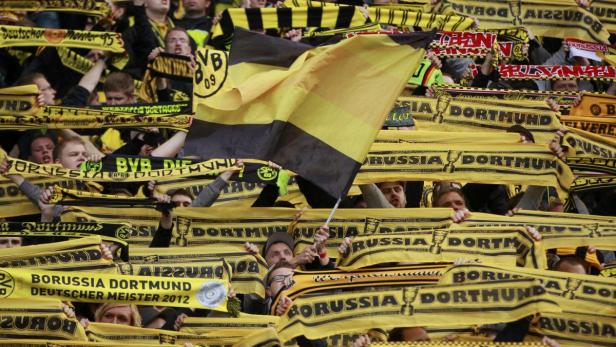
point(313, 110)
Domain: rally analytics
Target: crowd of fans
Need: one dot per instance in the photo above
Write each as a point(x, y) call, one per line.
point(150, 27)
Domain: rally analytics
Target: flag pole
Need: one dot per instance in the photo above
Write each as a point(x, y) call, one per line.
point(331, 214)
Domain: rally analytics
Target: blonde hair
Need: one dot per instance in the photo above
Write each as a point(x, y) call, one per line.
point(135, 316)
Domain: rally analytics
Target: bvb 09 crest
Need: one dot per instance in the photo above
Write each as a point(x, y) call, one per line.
point(7, 284)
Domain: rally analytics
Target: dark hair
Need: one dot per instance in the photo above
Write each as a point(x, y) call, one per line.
point(25, 142)
point(182, 191)
point(443, 188)
point(119, 82)
point(395, 335)
point(402, 183)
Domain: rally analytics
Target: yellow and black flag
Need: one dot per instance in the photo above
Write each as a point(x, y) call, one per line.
point(313, 110)
point(334, 17)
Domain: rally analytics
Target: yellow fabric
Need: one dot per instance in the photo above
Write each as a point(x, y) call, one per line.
point(462, 343)
point(597, 105)
point(59, 117)
point(603, 126)
point(609, 271)
point(311, 89)
point(43, 325)
point(575, 292)
point(236, 194)
point(557, 229)
point(229, 226)
point(116, 233)
point(563, 98)
point(408, 18)
point(498, 164)
point(73, 60)
point(586, 144)
point(59, 343)
point(248, 270)
point(19, 36)
point(604, 11)
point(574, 329)
point(125, 335)
point(163, 108)
point(592, 164)
point(224, 225)
point(353, 29)
point(77, 254)
point(245, 322)
point(111, 140)
point(552, 18)
point(96, 287)
point(47, 305)
point(14, 203)
point(211, 268)
point(500, 246)
point(610, 59)
point(446, 113)
point(423, 136)
point(339, 280)
point(19, 101)
point(91, 7)
point(327, 314)
point(265, 337)
point(26, 168)
point(164, 66)
point(299, 18)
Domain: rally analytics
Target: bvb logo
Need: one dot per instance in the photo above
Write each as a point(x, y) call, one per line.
point(518, 53)
point(211, 294)
point(95, 166)
point(408, 296)
point(124, 232)
point(7, 284)
point(211, 72)
point(266, 173)
point(595, 109)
